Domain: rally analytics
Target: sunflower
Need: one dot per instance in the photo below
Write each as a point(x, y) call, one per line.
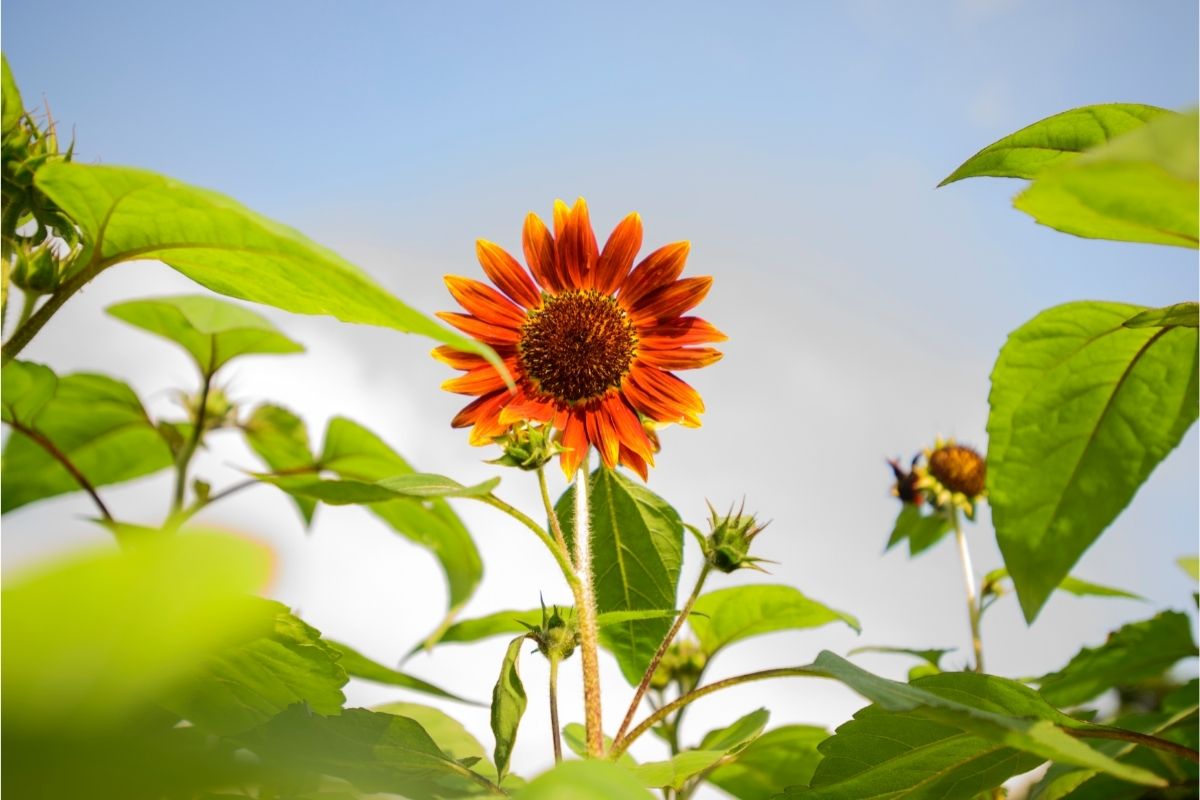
point(591, 341)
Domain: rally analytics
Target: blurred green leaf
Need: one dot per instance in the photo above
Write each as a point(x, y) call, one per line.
point(92, 640)
point(637, 551)
point(280, 439)
point(25, 388)
point(12, 107)
point(1070, 585)
point(447, 732)
point(1140, 187)
point(508, 705)
point(716, 745)
point(1135, 651)
point(94, 421)
point(134, 214)
point(1190, 565)
point(1082, 410)
point(575, 736)
point(737, 734)
point(730, 615)
point(213, 331)
point(932, 656)
point(922, 531)
point(783, 757)
point(247, 685)
point(1054, 140)
point(1185, 314)
point(359, 666)
point(585, 780)
point(350, 492)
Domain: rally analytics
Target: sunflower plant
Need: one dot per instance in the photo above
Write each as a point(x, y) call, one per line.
point(158, 669)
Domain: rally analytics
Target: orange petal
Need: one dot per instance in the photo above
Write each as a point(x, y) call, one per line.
point(635, 462)
point(671, 300)
point(458, 359)
point(488, 426)
point(540, 253)
point(481, 380)
point(577, 252)
point(663, 397)
point(628, 428)
point(472, 326)
point(523, 407)
point(506, 273)
point(618, 254)
point(677, 333)
point(471, 413)
point(659, 268)
point(602, 435)
point(485, 302)
point(680, 358)
point(574, 442)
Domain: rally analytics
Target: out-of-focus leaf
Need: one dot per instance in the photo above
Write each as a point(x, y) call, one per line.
point(1140, 187)
point(447, 732)
point(350, 492)
point(637, 552)
point(280, 439)
point(134, 214)
point(1135, 651)
point(932, 656)
point(1190, 565)
point(25, 388)
point(726, 616)
point(1054, 140)
point(575, 736)
point(247, 685)
point(783, 757)
point(508, 705)
point(922, 531)
point(97, 422)
point(359, 666)
point(1082, 410)
point(676, 771)
point(997, 710)
point(212, 330)
point(1071, 585)
point(585, 780)
point(738, 734)
point(12, 105)
point(90, 641)
point(1185, 314)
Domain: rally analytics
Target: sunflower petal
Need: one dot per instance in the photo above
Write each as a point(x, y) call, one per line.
point(525, 408)
point(628, 428)
point(472, 411)
point(575, 444)
point(635, 462)
point(488, 426)
point(577, 252)
point(671, 300)
point(483, 331)
point(540, 253)
point(485, 302)
point(458, 359)
point(659, 268)
point(603, 435)
point(617, 257)
point(481, 380)
point(505, 272)
point(681, 357)
point(678, 332)
point(663, 397)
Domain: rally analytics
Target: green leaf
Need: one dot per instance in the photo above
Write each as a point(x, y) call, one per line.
point(1136, 651)
point(730, 615)
point(738, 734)
point(359, 666)
point(13, 108)
point(134, 214)
point(25, 388)
point(932, 656)
point(96, 422)
point(447, 732)
point(246, 686)
point(508, 705)
point(637, 552)
point(349, 492)
point(96, 639)
point(1141, 187)
point(1071, 585)
point(922, 531)
point(375, 751)
point(997, 710)
point(1185, 314)
point(783, 757)
point(585, 780)
point(1054, 140)
point(1190, 565)
point(213, 331)
point(280, 439)
point(1082, 410)
point(575, 736)
point(676, 771)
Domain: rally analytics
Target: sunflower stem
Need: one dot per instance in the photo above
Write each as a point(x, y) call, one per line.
point(586, 614)
point(964, 555)
point(555, 733)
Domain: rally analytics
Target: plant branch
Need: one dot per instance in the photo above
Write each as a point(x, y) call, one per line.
point(585, 612)
point(25, 333)
point(559, 555)
point(554, 525)
point(185, 456)
point(1143, 739)
point(555, 733)
point(973, 612)
point(62, 458)
point(662, 649)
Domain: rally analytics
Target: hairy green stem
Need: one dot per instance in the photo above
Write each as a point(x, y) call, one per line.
point(554, 525)
point(25, 332)
point(973, 612)
point(585, 613)
point(560, 555)
point(555, 733)
point(61, 458)
point(662, 649)
point(185, 455)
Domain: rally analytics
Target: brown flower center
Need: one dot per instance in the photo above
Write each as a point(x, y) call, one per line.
point(960, 469)
point(577, 346)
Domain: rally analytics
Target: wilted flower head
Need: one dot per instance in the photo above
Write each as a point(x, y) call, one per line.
point(954, 475)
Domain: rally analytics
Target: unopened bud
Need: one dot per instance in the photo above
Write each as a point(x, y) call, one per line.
point(526, 447)
point(36, 270)
point(727, 547)
point(556, 637)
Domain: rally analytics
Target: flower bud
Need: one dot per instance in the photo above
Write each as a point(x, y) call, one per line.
point(526, 447)
point(556, 637)
point(36, 270)
point(727, 547)
point(682, 664)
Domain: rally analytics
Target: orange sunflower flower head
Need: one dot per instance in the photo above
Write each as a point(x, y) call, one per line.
point(591, 341)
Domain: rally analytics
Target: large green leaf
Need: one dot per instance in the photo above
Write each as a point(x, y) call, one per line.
point(212, 330)
point(25, 388)
point(1054, 140)
point(247, 685)
point(359, 666)
point(280, 439)
point(783, 757)
point(508, 704)
point(377, 752)
point(922, 531)
point(1140, 187)
point(12, 107)
point(1136, 651)
point(726, 616)
point(997, 710)
point(1186, 314)
point(447, 732)
point(716, 745)
point(1082, 410)
point(637, 551)
point(95, 422)
point(130, 214)
point(585, 780)
point(94, 640)
point(354, 492)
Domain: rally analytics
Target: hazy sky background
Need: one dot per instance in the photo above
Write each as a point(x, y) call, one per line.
point(795, 144)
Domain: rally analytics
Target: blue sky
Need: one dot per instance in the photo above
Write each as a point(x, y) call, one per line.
point(795, 144)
